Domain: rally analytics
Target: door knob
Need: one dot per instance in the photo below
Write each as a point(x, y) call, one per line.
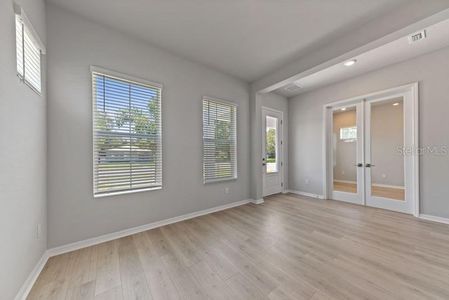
point(359, 165)
point(369, 165)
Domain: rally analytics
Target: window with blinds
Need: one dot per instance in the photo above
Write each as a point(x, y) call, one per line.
point(127, 137)
point(219, 140)
point(28, 54)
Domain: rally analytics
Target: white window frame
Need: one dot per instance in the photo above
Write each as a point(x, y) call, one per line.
point(235, 165)
point(20, 17)
point(139, 81)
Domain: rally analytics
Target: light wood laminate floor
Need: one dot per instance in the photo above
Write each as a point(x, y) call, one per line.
point(378, 191)
point(290, 247)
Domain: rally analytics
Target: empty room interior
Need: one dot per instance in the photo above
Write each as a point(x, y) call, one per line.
point(215, 149)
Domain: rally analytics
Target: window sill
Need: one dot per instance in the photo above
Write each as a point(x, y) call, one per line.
point(22, 80)
point(127, 192)
point(219, 180)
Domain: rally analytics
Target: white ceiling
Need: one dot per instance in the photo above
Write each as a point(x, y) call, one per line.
point(388, 54)
point(244, 38)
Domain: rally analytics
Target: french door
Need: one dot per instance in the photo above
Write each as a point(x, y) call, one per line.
point(347, 153)
point(372, 152)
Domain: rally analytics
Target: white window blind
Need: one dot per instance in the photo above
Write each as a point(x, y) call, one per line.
point(219, 140)
point(127, 135)
point(28, 54)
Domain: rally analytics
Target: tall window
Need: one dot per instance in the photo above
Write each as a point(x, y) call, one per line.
point(28, 54)
point(127, 134)
point(219, 140)
point(271, 144)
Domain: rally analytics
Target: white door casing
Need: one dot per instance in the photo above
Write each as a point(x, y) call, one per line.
point(409, 94)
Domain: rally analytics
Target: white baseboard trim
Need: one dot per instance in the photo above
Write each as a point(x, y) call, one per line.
point(434, 218)
point(31, 279)
point(257, 201)
point(29, 282)
point(306, 194)
point(126, 232)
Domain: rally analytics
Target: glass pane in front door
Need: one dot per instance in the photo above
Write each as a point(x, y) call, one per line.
point(344, 143)
point(387, 138)
point(271, 144)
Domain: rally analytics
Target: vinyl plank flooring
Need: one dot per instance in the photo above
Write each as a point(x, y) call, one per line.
point(111, 294)
point(107, 267)
point(133, 279)
point(396, 193)
point(290, 247)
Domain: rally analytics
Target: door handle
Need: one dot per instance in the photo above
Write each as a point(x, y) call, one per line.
point(359, 165)
point(369, 165)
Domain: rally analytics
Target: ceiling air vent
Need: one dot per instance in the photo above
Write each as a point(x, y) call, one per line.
point(292, 87)
point(417, 36)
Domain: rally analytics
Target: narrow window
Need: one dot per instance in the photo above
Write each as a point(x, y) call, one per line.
point(271, 144)
point(219, 140)
point(28, 55)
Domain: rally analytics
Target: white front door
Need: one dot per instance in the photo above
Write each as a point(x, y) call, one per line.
point(272, 151)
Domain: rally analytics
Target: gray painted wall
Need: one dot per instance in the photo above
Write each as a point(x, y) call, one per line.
point(280, 103)
point(22, 157)
point(306, 130)
point(73, 214)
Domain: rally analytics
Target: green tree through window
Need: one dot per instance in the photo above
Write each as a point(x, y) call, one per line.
point(271, 145)
point(127, 135)
point(219, 140)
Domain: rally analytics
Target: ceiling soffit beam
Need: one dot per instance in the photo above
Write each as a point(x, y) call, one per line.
point(313, 63)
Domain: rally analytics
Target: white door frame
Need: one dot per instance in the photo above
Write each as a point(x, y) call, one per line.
point(412, 173)
point(281, 146)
